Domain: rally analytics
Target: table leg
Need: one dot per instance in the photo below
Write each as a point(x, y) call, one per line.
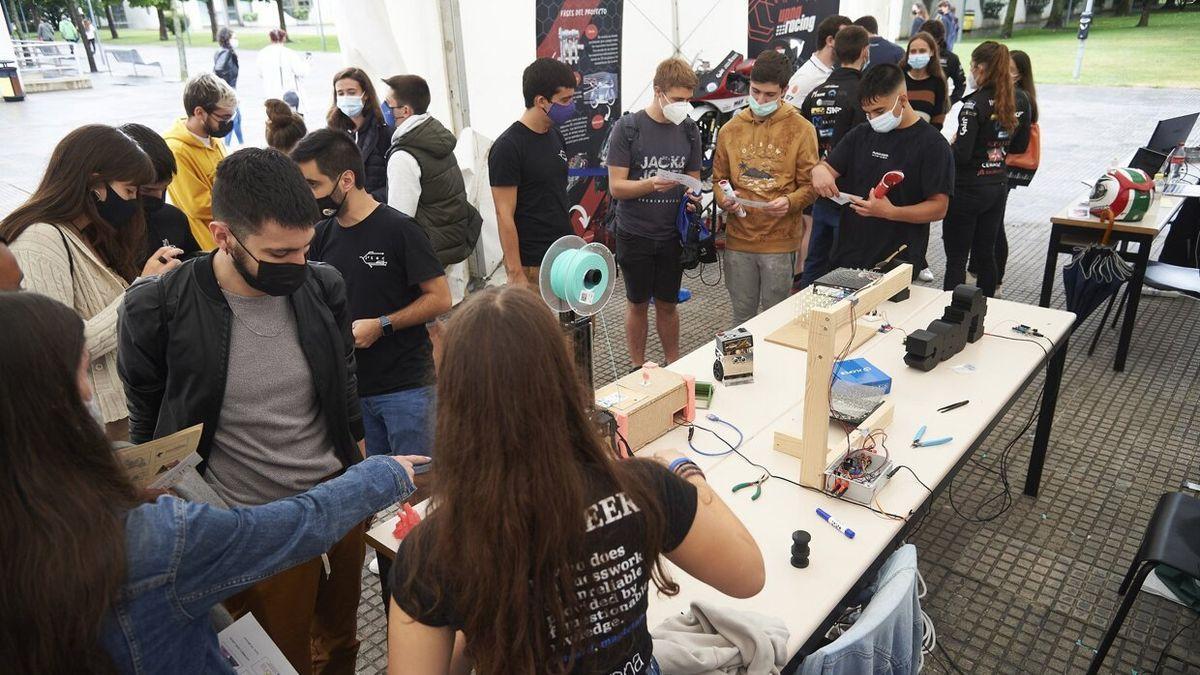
point(1051, 265)
point(1140, 260)
point(1041, 437)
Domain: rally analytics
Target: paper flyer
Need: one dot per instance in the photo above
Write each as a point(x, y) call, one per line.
point(683, 179)
point(752, 204)
point(250, 651)
point(159, 463)
point(844, 198)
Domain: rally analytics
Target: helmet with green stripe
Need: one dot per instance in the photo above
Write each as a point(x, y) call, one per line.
point(1123, 193)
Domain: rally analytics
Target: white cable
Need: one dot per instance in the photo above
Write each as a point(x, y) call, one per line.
point(608, 342)
point(929, 633)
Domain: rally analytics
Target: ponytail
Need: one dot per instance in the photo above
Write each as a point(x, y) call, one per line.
point(994, 58)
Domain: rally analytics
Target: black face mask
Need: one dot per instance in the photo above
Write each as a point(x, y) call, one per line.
point(276, 279)
point(114, 209)
point(153, 204)
point(329, 206)
point(222, 130)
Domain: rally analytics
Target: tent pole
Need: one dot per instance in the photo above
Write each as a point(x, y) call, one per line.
point(675, 26)
point(455, 64)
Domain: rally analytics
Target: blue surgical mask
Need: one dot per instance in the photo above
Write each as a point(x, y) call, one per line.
point(762, 109)
point(351, 106)
point(918, 61)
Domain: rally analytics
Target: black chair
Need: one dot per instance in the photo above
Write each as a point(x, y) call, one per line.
point(1173, 539)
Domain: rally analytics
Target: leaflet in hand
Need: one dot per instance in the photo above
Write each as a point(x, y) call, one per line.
point(844, 198)
point(249, 650)
point(683, 179)
point(160, 463)
point(753, 204)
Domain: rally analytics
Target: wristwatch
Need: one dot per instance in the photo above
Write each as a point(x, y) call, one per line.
point(386, 324)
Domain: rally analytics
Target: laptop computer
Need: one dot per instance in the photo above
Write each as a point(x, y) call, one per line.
point(1172, 132)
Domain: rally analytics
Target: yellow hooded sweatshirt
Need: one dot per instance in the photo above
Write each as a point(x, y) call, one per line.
point(766, 159)
point(191, 189)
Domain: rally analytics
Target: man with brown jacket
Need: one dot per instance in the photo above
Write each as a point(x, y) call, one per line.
point(767, 152)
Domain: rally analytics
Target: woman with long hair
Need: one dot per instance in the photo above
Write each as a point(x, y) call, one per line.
point(956, 79)
point(356, 111)
point(225, 66)
point(994, 121)
point(920, 15)
point(540, 546)
point(925, 80)
point(78, 239)
point(126, 587)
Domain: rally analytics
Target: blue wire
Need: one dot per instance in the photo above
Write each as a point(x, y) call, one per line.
point(712, 417)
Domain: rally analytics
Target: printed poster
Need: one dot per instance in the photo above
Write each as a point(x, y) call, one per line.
point(586, 35)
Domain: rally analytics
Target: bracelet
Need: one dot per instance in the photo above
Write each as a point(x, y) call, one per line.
point(673, 467)
point(688, 472)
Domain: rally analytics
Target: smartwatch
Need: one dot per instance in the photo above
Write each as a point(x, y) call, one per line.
point(386, 324)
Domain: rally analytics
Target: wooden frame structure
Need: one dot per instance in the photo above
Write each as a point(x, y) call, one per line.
point(829, 332)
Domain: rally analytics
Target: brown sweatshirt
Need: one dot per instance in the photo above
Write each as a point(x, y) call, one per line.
point(766, 159)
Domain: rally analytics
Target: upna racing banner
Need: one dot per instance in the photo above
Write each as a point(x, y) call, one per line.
point(787, 26)
point(586, 35)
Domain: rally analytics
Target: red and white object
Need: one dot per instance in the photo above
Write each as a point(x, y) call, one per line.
point(727, 190)
point(406, 519)
point(890, 180)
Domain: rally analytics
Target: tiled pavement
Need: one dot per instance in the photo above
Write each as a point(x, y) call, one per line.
point(1033, 590)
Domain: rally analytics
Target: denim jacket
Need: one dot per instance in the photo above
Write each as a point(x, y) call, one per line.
point(184, 558)
point(887, 636)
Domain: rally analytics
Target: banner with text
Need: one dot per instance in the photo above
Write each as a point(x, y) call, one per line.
point(787, 26)
point(586, 35)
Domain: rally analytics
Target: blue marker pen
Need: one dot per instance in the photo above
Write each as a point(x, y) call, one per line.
point(836, 525)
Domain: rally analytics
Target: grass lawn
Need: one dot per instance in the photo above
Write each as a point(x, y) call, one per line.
point(1164, 54)
point(248, 38)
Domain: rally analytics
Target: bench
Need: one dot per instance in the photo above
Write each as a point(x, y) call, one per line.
point(130, 56)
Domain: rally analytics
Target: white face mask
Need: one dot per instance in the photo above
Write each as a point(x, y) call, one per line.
point(887, 121)
point(233, 42)
point(676, 112)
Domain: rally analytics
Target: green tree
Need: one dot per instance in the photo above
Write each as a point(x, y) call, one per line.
point(112, 20)
point(282, 16)
point(158, 6)
point(1055, 20)
point(1144, 21)
point(212, 18)
point(1009, 16)
point(1122, 7)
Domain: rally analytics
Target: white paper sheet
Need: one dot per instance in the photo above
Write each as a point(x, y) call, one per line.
point(844, 198)
point(250, 650)
point(683, 179)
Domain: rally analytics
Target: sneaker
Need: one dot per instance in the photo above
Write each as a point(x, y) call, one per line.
point(373, 566)
point(926, 275)
point(1158, 293)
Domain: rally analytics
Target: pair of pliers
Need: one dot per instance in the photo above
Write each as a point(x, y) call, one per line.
point(918, 443)
point(757, 487)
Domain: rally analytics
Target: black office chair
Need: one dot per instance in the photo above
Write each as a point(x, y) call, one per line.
point(1173, 539)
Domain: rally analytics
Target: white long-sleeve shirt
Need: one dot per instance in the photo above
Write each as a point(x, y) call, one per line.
point(404, 173)
point(806, 78)
point(281, 70)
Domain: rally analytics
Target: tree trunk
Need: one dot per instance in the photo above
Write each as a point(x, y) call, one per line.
point(162, 25)
point(1144, 21)
point(237, 10)
point(1010, 15)
point(282, 18)
point(112, 22)
point(212, 18)
point(77, 19)
point(1055, 20)
point(1122, 7)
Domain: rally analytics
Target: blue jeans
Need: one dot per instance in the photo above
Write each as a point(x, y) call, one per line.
point(826, 217)
point(400, 423)
point(237, 129)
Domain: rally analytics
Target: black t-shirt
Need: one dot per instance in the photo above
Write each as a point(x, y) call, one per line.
point(537, 165)
point(982, 145)
point(384, 259)
point(861, 159)
point(612, 574)
point(169, 224)
point(834, 108)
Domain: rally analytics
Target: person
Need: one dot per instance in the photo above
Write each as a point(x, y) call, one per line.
point(78, 237)
point(45, 30)
point(994, 120)
point(67, 28)
point(662, 136)
point(134, 582)
point(166, 225)
point(564, 513)
point(818, 67)
point(948, 60)
point(767, 153)
point(920, 15)
point(527, 166)
point(834, 109)
point(949, 20)
point(225, 66)
point(882, 50)
point(924, 79)
point(11, 277)
point(896, 139)
point(89, 35)
point(423, 176)
point(195, 141)
point(356, 111)
point(254, 342)
point(281, 69)
point(394, 285)
point(285, 126)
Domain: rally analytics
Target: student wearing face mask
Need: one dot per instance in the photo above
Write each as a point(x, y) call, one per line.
point(255, 342)
point(994, 121)
point(896, 139)
point(78, 239)
point(165, 223)
point(225, 66)
point(528, 171)
point(195, 141)
point(767, 153)
point(356, 111)
point(661, 136)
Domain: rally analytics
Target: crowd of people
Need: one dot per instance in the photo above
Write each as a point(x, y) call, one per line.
point(294, 301)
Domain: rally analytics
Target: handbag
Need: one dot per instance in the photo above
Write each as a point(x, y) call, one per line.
point(1022, 166)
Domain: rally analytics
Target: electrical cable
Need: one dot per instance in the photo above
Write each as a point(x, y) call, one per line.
point(1167, 647)
point(713, 418)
